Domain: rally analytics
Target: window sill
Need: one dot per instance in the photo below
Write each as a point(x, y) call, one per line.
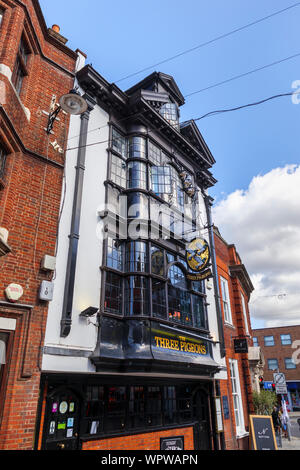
point(242, 435)
point(230, 325)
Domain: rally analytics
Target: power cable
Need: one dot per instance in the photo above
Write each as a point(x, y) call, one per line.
point(201, 117)
point(218, 38)
point(236, 77)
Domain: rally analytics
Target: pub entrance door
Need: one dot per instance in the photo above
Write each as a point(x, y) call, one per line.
point(202, 426)
point(62, 416)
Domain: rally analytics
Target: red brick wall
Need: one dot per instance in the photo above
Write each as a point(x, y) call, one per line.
point(279, 351)
point(227, 256)
point(29, 204)
point(147, 441)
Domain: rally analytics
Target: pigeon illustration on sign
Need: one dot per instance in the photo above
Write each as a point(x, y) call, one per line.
point(198, 254)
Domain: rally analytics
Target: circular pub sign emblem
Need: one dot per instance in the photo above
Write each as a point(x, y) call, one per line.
point(198, 254)
point(14, 292)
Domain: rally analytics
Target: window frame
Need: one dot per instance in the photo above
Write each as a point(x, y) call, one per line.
point(290, 359)
point(3, 158)
point(266, 342)
point(282, 340)
point(226, 300)
point(20, 70)
point(243, 300)
point(237, 393)
point(4, 372)
point(277, 363)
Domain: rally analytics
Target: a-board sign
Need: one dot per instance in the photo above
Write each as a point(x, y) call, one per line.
point(172, 443)
point(262, 433)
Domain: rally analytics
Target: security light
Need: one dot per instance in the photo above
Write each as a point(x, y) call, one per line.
point(89, 312)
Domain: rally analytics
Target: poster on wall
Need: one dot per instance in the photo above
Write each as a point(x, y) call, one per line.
point(172, 443)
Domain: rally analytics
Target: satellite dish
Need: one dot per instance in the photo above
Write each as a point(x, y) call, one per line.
point(73, 103)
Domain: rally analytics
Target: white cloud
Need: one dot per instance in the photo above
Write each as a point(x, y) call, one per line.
point(264, 224)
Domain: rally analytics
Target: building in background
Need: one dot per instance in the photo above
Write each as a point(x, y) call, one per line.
point(236, 392)
point(281, 349)
point(134, 339)
point(36, 69)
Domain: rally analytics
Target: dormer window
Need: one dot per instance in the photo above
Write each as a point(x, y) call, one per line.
point(170, 112)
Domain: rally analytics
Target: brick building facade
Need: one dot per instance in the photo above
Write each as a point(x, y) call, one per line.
point(280, 346)
point(36, 69)
point(235, 290)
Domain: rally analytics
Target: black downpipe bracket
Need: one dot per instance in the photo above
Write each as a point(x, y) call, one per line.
point(208, 200)
point(66, 318)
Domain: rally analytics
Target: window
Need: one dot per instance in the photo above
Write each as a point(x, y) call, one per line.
point(116, 408)
point(20, 69)
point(255, 341)
point(113, 293)
point(119, 143)
point(178, 297)
point(94, 410)
point(136, 295)
point(245, 314)
point(136, 257)
point(3, 346)
point(136, 175)
point(170, 112)
point(2, 161)
point(237, 397)
point(286, 339)
point(158, 298)
point(155, 154)
point(272, 364)
point(177, 190)
point(1, 15)
point(157, 260)
point(226, 300)
point(114, 254)
point(138, 206)
point(118, 171)
point(161, 180)
point(198, 311)
point(289, 363)
point(269, 341)
point(137, 147)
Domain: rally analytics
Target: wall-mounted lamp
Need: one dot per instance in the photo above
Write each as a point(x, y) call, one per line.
point(89, 312)
point(72, 103)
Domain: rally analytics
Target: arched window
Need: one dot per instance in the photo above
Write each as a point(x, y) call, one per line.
point(179, 298)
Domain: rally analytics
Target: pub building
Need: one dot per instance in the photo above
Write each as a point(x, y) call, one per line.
point(134, 346)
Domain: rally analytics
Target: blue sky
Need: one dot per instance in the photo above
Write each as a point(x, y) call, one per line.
point(121, 38)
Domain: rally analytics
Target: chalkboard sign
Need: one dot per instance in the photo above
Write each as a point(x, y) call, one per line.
point(262, 433)
point(172, 443)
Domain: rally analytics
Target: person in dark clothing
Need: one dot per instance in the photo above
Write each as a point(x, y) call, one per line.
point(276, 419)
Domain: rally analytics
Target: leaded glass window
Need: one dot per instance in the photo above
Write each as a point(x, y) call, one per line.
point(116, 408)
point(136, 175)
point(179, 298)
point(170, 112)
point(114, 254)
point(136, 257)
point(113, 293)
point(154, 154)
point(161, 180)
point(136, 295)
point(158, 298)
point(118, 171)
point(198, 311)
point(137, 147)
point(119, 143)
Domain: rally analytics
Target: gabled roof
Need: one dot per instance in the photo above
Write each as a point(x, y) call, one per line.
point(191, 131)
point(167, 81)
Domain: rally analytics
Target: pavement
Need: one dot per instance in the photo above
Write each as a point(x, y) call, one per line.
point(294, 443)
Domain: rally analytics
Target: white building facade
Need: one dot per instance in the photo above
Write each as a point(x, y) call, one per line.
point(134, 340)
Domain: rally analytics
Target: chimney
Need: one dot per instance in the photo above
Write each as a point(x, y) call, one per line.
point(55, 33)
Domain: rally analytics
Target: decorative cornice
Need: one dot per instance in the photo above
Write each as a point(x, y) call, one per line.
point(239, 271)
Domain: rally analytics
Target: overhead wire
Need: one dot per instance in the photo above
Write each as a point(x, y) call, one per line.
point(211, 41)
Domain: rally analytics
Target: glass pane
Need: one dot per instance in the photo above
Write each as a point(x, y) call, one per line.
point(158, 298)
point(198, 311)
point(137, 147)
point(154, 154)
point(161, 183)
point(119, 143)
point(138, 207)
point(177, 277)
point(157, 261)
point(113, 293)
point(136, 295)
point(114, 254)
point(136, 257)
point(116, 410)
point(170, 112)
point(118, 171)
point(137, 175)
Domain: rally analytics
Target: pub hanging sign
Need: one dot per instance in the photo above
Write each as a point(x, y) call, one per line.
point(198, 258)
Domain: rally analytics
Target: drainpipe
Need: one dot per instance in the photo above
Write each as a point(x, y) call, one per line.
point(66, 317)
point(208, 200)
